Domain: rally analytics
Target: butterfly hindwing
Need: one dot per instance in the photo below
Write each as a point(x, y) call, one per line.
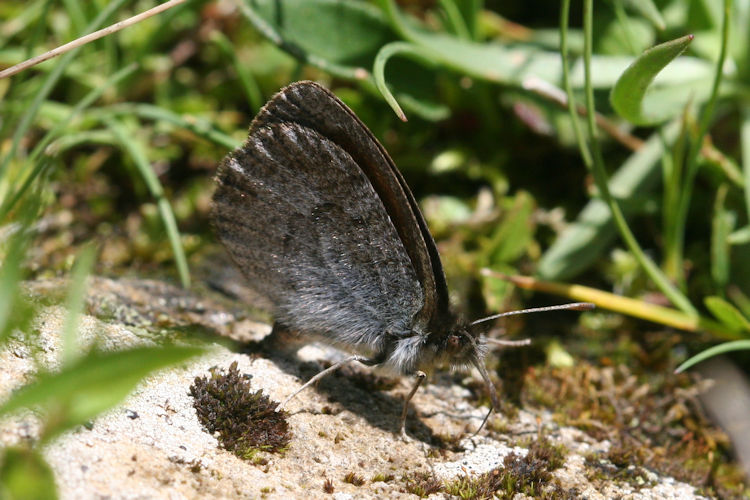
point(304, 224)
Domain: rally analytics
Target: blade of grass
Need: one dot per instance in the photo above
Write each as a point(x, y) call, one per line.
point(572, 108)
point(600, 177)
point(14, 311)
point(745, 145)
point(57, 130)
point(92, 384)
point(198, 126)
point(737, 345)
point(249, 85)
point(80, 42)
point(24, 474)
point(691, 169)
point(389, 50)
point(74, 304)
point(49, 83)
point(455, 20)
point(647, 9)
point(722, 225)
point(136, 151)
point(729, 315)
point(625, 305)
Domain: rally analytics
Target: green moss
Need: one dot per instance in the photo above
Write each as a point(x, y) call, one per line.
point(652, 421)
point(354, 479)
point(529, 474)
point(422, 484)
point(385, 478)
point(245, 422)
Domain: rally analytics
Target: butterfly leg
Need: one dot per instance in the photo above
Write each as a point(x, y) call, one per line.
point(420, 376)
point(332, 368)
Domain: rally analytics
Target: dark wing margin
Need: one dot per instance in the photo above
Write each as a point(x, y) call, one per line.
point(317, 108)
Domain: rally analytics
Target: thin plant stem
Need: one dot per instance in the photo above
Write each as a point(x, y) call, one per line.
point(572, 108)
point(691, 169)
point(79, 42)
point(600, 177)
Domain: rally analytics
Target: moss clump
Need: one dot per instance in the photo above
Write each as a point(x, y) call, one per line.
point(422, 484)
point(529, 474)
point(354, 479)
point(246, 422)
point(653, 422)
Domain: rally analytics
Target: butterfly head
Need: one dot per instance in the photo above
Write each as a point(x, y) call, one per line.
point(461, 346)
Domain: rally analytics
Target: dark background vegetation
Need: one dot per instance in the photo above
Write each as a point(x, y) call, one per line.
point(117, 168)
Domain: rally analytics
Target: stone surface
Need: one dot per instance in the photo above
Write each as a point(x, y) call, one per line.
point(153, 446)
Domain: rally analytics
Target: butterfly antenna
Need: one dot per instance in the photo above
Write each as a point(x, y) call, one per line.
point(575, 306)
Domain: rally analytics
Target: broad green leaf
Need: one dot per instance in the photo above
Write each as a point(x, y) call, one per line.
point(593, 231)
point(342, 38)
point(628, 94)
point(736, 345)
point(25, 475)
point(512, 237)
point(92, 384)
point(513, 65)
point(727, 314)
point(341, 32)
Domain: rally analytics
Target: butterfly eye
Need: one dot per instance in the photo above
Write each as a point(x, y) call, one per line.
point(454, 342)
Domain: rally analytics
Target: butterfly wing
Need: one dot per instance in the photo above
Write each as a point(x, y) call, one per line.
point(316, 108)
point(304, 224)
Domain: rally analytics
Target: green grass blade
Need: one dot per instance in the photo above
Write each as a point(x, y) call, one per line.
point(737, 345)
point(588, 237)
point(198, 126)
point(49, 83)
point(727, 314)
point(455, 20)
point(572, 105)
point(691, 168)
point(600, 177)
point(745, 145)
point(139, 157)
point(92, 384)
point(410, 50)
point(25, 475)
point(628, 94)
point(74, 303)
point(249, 85)
point(40, 165)
point(722, 225)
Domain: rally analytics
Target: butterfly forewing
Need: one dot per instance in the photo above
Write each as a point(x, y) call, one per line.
point(303, 223)
point(316, 108)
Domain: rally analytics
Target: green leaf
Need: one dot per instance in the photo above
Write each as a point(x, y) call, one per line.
point(512, 237)
point(138, 154)
point(727, 313)
point(92, 384)
point(593, 231)
point(647, 9)
point(339, 32)
point(736, 345)
point(25, 475)
point(628, 94)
